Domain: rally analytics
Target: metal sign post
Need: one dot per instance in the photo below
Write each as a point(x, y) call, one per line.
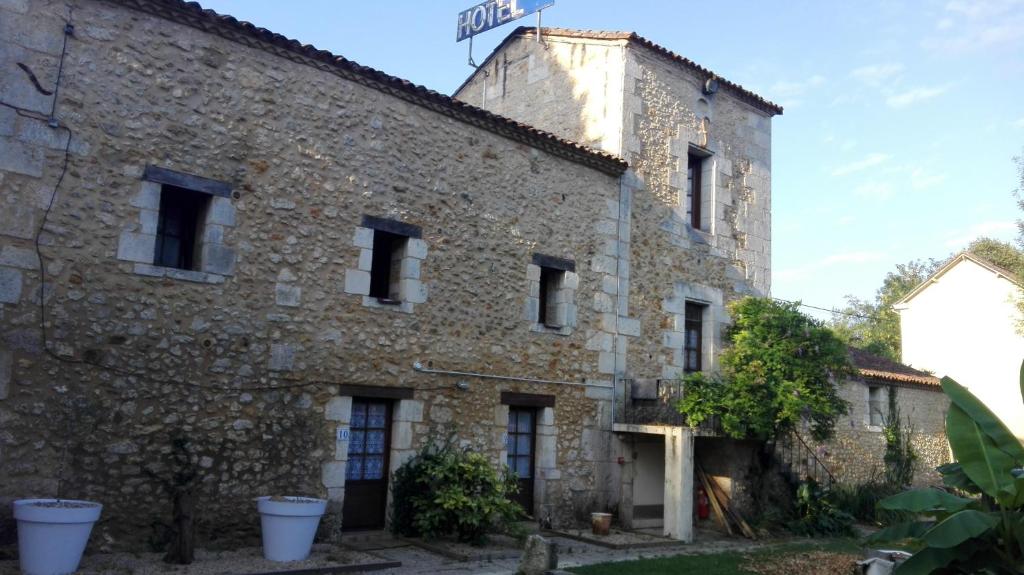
point(494, 13)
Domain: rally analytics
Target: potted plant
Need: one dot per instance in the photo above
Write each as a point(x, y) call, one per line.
point(52, 533)
point(289, 524)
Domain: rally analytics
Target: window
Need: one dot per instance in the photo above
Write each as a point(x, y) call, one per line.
point(550, 305)
point(694, 167)
point(876, 417)
point(180, 227)
point(693, 337)
point(550, 284)
point(385, 271)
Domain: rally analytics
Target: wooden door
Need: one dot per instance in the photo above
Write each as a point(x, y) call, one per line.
point(366, 475)
point(520, 444)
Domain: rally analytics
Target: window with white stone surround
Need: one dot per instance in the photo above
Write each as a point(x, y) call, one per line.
point(700, 189)
point(698, 320)
point(551, 301)
point(388, 272)
point(181, 228)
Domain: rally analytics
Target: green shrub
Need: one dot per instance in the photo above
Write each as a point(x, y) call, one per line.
point(861, 501)
point(818, 514)
point(445, 490)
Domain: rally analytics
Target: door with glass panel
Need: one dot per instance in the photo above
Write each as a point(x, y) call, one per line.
point(521, 443)
point(366, 475)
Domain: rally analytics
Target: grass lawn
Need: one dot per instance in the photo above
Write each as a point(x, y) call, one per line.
point(725, 563)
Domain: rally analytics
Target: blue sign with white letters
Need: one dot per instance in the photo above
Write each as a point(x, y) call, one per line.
point(494, 13)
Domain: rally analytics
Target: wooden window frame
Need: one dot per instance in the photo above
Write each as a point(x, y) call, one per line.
point(689, 323)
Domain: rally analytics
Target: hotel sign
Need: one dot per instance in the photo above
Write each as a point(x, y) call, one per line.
point(494, 13)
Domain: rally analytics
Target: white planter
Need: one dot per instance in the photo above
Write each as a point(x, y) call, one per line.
point(52, 533)
point(289, 525)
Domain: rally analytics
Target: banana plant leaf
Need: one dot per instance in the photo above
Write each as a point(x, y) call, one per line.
point(931, 559)
point(925, 501)
point(984, 463)
point(901, 532)
point(960, 527)
point(953, 476)
point(985, 419)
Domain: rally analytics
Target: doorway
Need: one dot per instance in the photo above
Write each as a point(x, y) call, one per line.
point(366, 474)
point(521, 444)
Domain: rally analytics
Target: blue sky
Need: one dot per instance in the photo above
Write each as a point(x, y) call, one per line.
point(901, 118)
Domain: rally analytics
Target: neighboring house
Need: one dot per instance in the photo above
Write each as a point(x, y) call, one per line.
point(856, 453)
point(962, 322)
point(694, 235)
point(303, 269)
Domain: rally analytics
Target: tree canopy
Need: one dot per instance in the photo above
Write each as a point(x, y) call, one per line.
point(875, 326)
point(776, 371)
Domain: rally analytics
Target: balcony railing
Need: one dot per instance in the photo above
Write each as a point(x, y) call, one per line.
point(655, 402)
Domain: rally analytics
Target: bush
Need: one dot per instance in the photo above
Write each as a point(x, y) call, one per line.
point(861, 501)
point(445, 490)
point(818, 514)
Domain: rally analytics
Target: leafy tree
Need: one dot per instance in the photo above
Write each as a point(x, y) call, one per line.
point(875, 326)
point(776, 371)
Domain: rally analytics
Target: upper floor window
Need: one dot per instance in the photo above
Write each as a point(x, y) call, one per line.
point(386, 269)
point(693, 337)
point(700, 180)
point(180, 228)
point(551, 304)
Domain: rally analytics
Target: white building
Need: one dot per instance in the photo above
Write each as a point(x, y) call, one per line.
point(962, 323)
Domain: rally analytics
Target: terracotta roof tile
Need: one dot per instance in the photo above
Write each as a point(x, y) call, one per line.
point(194, 15)
point(871, 365)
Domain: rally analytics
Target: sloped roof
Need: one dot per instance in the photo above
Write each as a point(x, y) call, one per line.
point(738, 90)
point(193, 15)
point(953, 262)
point(878, 367)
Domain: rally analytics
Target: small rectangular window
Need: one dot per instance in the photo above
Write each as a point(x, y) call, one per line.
point(693, 341)
point(180, 227)
point(876, 403)
point(550, 284)
point(385, 270)
point(694, 167)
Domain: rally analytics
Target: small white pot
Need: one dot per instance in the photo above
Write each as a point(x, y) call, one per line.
point(52, 533)
point(289, 525)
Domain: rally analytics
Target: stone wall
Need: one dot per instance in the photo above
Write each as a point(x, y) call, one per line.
point(856, 453)
point(245, 364)
point(630, 101)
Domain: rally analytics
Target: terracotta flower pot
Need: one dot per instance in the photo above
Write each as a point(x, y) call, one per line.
point(600, 523)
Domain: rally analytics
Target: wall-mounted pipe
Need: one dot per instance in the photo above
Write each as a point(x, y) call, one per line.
point(419, 367)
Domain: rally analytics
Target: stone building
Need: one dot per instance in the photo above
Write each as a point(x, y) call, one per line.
point(856, 453)
point(225, 253)
point(271, 259)
point(695, 232)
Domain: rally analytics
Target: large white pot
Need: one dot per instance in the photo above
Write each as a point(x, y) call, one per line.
point(289, 525)
point(52, 533)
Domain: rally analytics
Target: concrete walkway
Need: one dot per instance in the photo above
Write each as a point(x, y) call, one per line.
point(571, 553)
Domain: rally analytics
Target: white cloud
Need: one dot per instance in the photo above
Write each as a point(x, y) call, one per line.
point(968, 26)
point(1000, 230)
point(915, 95)
point(876, 74)
point(922, 180)
point(869, 161)
point(876, 190)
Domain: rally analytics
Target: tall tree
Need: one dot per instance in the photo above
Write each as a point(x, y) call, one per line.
point(875, 325)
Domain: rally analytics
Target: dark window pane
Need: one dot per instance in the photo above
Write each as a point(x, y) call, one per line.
point(178, 227)
point(358, 415)
point(374, 467)
point(354, 469)
point(375, 442)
